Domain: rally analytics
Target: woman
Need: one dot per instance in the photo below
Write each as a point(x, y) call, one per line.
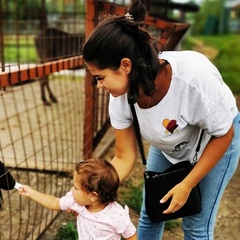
point(175, 94)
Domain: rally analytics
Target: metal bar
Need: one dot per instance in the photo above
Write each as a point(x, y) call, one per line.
point(15, 76)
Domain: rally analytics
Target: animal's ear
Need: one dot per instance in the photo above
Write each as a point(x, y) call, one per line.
point(6, 180)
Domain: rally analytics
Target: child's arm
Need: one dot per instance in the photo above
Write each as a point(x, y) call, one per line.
point(134, 237)
point(45, 200)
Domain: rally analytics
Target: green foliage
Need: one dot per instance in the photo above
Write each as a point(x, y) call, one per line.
point(66, 6)
point(67, 232)
point(209, 11)
point(29, 9)
point(21, 50)
point(131, 195)
point(22, 9)
point(227, 59)
point(169, 225)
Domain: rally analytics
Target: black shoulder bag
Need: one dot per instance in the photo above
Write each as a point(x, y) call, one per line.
point(157, 184)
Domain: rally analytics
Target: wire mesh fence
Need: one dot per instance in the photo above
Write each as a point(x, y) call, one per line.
point(38, 144)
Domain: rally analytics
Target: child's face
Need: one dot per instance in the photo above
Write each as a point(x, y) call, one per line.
point(81, 197)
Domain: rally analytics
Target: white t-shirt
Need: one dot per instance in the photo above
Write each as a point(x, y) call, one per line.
point(197, 98)
point(108, 224)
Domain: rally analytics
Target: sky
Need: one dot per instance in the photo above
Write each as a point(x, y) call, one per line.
point(228, 2)
point(185, 1)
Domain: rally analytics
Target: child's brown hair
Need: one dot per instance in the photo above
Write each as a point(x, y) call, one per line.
point(98, 175)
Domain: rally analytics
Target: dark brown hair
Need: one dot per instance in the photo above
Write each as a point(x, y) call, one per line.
point(119, 38)
point(97, 175)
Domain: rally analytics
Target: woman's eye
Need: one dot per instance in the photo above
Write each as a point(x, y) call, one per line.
point(99, 78)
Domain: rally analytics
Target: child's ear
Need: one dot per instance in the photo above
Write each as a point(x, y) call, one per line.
point(94, 196)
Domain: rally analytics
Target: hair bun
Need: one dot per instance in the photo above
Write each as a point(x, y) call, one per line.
point(137, 10)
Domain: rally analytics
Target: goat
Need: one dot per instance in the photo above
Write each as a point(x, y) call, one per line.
point(7, 182)
point(53, 44)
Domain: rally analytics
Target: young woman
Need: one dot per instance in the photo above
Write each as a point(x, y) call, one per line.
point(176, 94)
point(93, 198)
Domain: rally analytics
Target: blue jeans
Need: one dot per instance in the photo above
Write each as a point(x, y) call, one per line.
point(199, 226)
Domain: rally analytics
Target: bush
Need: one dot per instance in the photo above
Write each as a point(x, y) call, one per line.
point(67, 232)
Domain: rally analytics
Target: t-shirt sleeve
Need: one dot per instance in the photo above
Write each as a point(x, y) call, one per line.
point(120, 113)
point(125, 226)
point(206, 100)
point(210, 107)
point(66, 201)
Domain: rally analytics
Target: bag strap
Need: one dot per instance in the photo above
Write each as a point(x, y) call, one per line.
point(198, 147)
point(139, 139)
point(138, 134)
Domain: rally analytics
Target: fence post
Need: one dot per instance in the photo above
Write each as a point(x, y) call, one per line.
point(91, 6)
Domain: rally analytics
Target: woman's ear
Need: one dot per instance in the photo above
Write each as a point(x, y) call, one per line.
point(126, 65)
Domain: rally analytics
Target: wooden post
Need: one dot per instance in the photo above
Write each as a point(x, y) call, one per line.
point(91, 16)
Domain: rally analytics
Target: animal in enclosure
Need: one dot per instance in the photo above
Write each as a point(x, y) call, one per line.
point(53, 44)
point(7, 182)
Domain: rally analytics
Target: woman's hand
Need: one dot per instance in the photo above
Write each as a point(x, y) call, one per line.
point(179, 194)
point(211, 155)
point(74, 213)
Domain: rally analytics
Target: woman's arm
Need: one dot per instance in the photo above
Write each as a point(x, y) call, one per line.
point(45, 200)
point(125, 155)
point(211, 155)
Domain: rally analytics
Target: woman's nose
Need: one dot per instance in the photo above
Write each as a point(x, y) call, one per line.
point(100, 84)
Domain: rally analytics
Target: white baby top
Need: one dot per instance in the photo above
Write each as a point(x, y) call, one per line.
point(108, 224)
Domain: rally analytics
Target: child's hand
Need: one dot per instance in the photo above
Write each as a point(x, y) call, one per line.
point(24, 190)
point(74, 213)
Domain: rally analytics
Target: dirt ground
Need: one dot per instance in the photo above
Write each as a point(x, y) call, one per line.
point(227, 223)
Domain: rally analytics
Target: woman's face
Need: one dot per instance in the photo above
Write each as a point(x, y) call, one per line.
point(115, 82)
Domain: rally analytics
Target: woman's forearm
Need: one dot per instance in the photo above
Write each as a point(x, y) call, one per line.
point(125, 157)
point(123, 167)
point(211, 155)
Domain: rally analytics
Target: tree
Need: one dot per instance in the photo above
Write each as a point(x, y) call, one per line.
point(210, 13)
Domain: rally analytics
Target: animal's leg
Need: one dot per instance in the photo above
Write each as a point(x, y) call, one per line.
point(51, 96)
point(43, 82)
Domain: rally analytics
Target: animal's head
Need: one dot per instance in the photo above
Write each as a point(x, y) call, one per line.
point(6, 180)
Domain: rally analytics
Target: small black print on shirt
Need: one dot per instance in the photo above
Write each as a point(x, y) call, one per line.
point(180, 146)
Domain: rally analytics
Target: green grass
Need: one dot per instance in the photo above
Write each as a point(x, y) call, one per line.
point(227, 60)
point(67, 232)
point(19, 50)
point(131, 195)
